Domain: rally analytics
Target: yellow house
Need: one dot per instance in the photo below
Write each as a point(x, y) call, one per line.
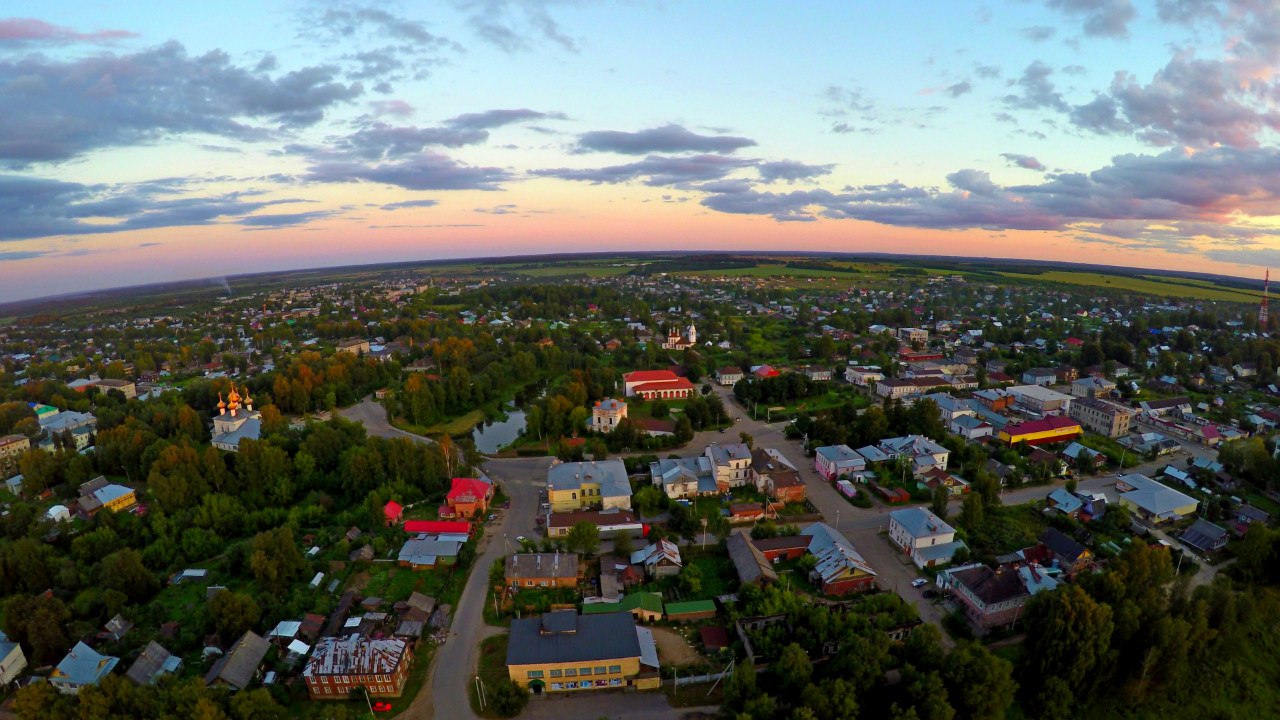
point(565, 652)
point(116, 497)
point(581, 485)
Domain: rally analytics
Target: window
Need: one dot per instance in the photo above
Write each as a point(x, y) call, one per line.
point(570, 672)
point(543, 583)
point(328, 691)
point(615, 668)
point(535, 674)
point(601, 670)
point(556, 673)
point(584, 671)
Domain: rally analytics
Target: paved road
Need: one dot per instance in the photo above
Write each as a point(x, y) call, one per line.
point(373, 416)
point(446, 696)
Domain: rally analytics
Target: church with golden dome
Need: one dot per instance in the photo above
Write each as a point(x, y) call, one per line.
point(235, 421)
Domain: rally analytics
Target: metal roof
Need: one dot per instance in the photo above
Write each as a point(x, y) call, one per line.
point(574, 638)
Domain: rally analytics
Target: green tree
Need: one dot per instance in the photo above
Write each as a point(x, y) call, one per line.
point(939, 505)
point(979, 684)
point(233, 614)
point(507, 698)
point(971, 513)
point(1068, 637)
point(927, 694)
point(622, 545)
point(276, 560)
point(123, 572)
point(792, 670)
point(583, 538)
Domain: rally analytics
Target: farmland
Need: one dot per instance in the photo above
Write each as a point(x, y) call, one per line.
point(1151, 285)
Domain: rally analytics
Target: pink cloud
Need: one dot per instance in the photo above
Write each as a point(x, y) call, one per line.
point(24, 31)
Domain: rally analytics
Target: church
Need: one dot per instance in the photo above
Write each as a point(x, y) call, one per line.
point(676, 341)
point(233, 424)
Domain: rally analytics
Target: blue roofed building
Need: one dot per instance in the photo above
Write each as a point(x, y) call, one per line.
point(81, 667)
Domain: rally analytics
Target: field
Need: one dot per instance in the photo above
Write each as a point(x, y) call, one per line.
point(1164, 287)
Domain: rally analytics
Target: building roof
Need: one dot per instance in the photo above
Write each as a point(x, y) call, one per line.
point(111, 493)
point(542, 565)
point(426, 550)
point(1203, 535)
point(473, 487)
point(690, 607)
point(611, 475)
point(836, 555)
point(1039, 392)
point(647, 601)
point(751, 564)
point(1166, 403)
point(920, 522)
point(450, 527)
point(728, 453)
point(1154, 497)
point(839, 453)
point(241, 663)
point(610, 405)
point(355, 655)
point(1049, 424)
point(1062, 546)
point(657, 552)
point(152, 663)
point(611, 518)
point(990, 586)
point(82, 665)
point(564, 636)
point(1065, 501)
point(942, 552)
point(392, 510)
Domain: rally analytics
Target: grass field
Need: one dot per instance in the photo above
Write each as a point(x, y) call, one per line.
point(1188, 289)
point(569, 270)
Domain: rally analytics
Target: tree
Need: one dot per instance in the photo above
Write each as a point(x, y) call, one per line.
point(940, 498)
point(233, 614)
point(507, 698)
point(123, 571)
point(1068, 637)
point(622, 545)
point(37, 622)
point(747, 439)
point(583, 538)
point(792, 670)
point(275, 560)
point(690, 580)
point(971, 513)
point(923, 648)
point(979, 684)
point(927, 693)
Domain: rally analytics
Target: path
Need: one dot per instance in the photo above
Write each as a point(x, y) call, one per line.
point(369, 413)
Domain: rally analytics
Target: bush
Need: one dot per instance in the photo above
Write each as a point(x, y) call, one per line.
point(508, 699)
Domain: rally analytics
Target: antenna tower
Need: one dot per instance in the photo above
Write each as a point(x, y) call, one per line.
point(1262, 309)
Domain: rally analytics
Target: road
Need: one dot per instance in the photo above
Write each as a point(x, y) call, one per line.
point(447, 694)
point(373, 416)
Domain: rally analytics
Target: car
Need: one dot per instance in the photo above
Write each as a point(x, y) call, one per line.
point(722, 431)
point(918, 582)
point(521, 539)
point(493, 516)
point(381, 707)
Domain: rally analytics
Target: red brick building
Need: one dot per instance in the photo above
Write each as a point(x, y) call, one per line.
point(339, 665)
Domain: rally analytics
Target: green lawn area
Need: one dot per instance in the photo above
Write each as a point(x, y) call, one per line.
point(1197, 290)
point(460, 425)
point(492, 669)
point(593, 271)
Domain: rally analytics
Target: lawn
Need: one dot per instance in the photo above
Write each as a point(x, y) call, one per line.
point(1198, 290)
point(492, 669)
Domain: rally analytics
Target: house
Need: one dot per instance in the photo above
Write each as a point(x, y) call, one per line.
point(1246, 515)
point(970, 427)
point(429, 551)
point(816, 374)
point(643, 606)
point(651, 384)
point(239, 666)
point(1040, 399)
point(730, 464)
point(936, 477)
point(841, 569)
point(562, 652)
point(81, 667)
point(778, 549)
point(764, 371)
point(896, 388)
point(832, 461)
point(468, 497)
point(1205, 536)
point(1245, 370)
point(1175, 405)
point(392, 513)
point(923, 452)
point(749, 562)
point(1040, 376)
point(153, 663)
point(11, 448)
point(1064, 502)
point(12, 660)
point(599, 484)
point(989, 598)
point(1041, 432)
point(863, 374)
point(728, 376)
point(912, 335)
point(610, 523)
point(690, 611)
point(1064, 552)
point(1152, 500)
point(541, 570)
point(686, 477)
point(925, 537)
point(1091, 386)
point(354, 346)
point(949, 406)
point(1101, 417)
point(98, 494)
point(660, 559)
point(786, 487)
point(995, 399)
point(1066, 374)
point(339, 665)
point(606, 414)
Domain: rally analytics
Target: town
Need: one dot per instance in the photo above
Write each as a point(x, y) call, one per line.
point(643, 486)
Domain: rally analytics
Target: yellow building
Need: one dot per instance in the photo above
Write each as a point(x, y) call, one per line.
point(1040, 432)
point(565, 652)
point(11, 448)
point(582, 485)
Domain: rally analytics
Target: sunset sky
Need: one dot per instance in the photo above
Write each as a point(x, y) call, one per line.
point(145, 142)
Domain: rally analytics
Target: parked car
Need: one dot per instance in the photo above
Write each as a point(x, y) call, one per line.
point(521, 539)
point(493, 516)
point(918, 582)
point(381, 707)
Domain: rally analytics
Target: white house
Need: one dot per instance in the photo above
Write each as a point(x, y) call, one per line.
point(832, 461)
point(924, 536)
point(863, 374)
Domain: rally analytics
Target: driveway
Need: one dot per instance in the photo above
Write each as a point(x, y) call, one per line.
point(895, 572)
point(373, 417)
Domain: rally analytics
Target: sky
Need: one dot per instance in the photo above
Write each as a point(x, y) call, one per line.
point(149, 142)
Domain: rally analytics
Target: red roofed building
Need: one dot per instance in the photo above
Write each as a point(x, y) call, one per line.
point(392, 511)
point(459, 527)
point(469, 496)
point(1041, 432)
point(651, 384)
point(764, 371)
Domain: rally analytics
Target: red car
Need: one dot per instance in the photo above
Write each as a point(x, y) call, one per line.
point(382, 707)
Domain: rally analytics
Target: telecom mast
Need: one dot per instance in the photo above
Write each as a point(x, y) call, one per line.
point(1262, 309)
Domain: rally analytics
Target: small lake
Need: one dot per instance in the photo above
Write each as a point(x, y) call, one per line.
point(492, 436)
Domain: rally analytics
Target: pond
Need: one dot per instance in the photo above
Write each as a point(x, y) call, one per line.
point(492, 436)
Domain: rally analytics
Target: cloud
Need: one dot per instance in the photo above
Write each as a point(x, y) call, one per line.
point(667, 139)
point(510, 24)
point(987, 72)
point(21, 254)
point(396, 108)
point(1023, 161)
point(59, 109)
point(490, 119)
point(26, 32)
point(960, 88)
point(791, 171)
point(426, 170)
point(1035, 89)
point(410, 204)
point(1038, 33)
point(39, 207)
point(507, 209)
point(279, 220)
point(1102, 18)
point(654, 170)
